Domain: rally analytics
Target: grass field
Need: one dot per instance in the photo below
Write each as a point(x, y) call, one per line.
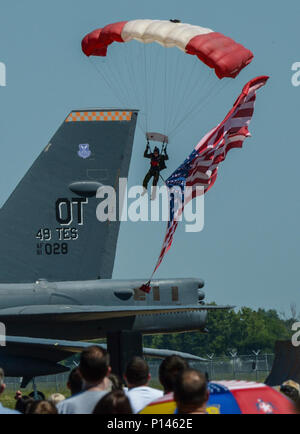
point(8, 397)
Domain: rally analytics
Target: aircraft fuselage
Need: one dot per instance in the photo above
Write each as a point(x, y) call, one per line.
point(117, 293)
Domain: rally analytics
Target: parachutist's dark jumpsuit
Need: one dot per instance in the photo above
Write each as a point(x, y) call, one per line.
point(156, 166)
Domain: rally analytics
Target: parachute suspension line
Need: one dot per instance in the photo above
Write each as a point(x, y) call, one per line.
point(173, 73)
point(184, 88)
point(115, 74)
point(107, 72)
point(167, 85)
point(149, 83)
point(193, 92)
point(164, 148)
point(123, 74)
point(163, 180)
point(169, 77)
point(138, 70)
point(180, 91)
point(127, 75)
point(195, 111)
point(165, 91)
point(146, 87)
point(110, 74)
point(185, 99)
point(184, 76)
point(153, 77)
point(107, 81)
point(133, 72)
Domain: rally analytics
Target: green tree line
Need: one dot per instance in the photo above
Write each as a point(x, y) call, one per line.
point(243, 330)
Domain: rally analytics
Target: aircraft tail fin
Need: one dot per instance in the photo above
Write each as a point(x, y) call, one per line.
point(48, 225)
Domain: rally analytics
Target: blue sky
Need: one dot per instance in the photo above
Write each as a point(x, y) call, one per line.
point(248, 253)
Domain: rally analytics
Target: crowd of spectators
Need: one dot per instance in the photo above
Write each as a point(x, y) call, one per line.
point(95, 390)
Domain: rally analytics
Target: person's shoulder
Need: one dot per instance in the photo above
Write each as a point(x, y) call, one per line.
point(5, 410)
point(96, 393)
point(156, 391)
point(9, 411)
point(135, 391)
point(141, 390)
point(131, 391)
point(80, 402)
point(67, 404)
point(153, 388)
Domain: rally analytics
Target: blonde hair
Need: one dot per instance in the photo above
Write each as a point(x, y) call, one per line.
point(55, 398)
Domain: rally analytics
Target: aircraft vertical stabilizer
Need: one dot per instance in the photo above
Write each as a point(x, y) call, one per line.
point(48, 225)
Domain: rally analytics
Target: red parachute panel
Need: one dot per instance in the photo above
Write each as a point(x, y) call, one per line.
point(221, 53)
point(96, 42)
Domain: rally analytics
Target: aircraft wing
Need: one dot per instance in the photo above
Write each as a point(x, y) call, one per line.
point(76, 312)
point(64, 349)
point(30, 357)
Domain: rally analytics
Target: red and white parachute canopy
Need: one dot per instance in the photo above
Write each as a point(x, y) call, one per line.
point(217, 51)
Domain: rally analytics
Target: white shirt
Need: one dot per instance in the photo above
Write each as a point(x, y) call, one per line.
point(141, 396)
point(82, 403)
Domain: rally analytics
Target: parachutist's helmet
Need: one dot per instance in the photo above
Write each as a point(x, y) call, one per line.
point(156, 150)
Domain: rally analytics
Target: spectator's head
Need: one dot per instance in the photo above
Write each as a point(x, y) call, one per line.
point(190, 392)
point(55, 398)
point(115, 402)
point(41, 407)
point(137, 373)
point(2, 385)
point(22, 403)
point(74, 383)
point(94, 365)
point(169, 370)
point(291, 389)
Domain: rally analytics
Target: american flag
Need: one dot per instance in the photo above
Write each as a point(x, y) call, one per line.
point(200, 169)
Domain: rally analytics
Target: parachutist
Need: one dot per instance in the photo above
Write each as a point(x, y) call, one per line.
point(156, 165)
